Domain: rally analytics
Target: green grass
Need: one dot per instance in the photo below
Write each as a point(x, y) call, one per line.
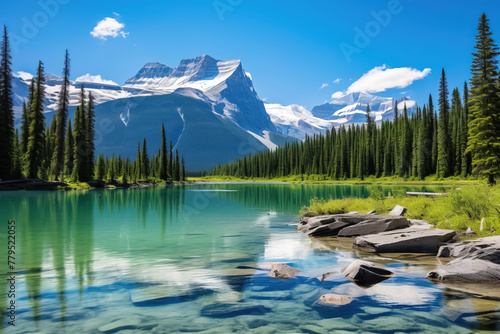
point(318, 179)
point(462, 208)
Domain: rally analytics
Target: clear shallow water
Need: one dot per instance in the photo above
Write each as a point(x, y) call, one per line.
point(87, 259)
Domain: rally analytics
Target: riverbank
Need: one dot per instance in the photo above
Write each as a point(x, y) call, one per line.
point(36, 184)
point(323, 179)
point(475, 207)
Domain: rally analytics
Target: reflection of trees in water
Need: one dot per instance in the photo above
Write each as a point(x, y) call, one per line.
point(52, 226)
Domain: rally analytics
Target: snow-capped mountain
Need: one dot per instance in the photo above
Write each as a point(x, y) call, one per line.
point(297, 121)
point(351, 108)
point(210, 109)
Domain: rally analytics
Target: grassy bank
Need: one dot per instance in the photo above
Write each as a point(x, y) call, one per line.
point(320, 179)
point(463, 207)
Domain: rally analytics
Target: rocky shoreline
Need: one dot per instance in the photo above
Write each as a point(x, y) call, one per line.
point(472, 262)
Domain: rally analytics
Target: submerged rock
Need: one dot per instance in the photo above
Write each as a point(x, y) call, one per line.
point(334, 299)
point(366, 274)
point(407, 240)
point(162, 294)
point(222, 310)
point(121, 324)
point(282, 271)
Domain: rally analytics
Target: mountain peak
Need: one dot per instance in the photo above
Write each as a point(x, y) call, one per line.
point(150, 71)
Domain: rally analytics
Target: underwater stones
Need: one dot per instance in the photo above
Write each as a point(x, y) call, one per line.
point(121, 324)
point(407, 240)
point(334, 299)
point(366, 274)
point(313, 329)
point(223, 310)
point(388, 324)
point(282, 271)
point(161, 294)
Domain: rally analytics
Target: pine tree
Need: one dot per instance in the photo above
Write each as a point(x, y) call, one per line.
point(16, 163)
point(138, 163)
point(145, 161)
point(24, 129)
point(69, 156)
point(170, 164)
point(466, 156)
point(183, 170)
point(90, 136)
point(62, 119)
point(163, 155)
point(176, 167)
point(6, 109)
point(34, 153)
point(484, 105)
point(444, 139)
point(100, 168)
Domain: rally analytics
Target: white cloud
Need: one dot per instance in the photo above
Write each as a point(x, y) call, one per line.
point(337, 95)
point(337, 80)
point(95, 79)
point(323, 86)
point(109, 27)
point(381, 78)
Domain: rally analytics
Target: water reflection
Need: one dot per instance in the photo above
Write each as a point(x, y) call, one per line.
point(89, 254)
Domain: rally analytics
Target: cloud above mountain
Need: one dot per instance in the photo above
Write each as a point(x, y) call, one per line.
point(109, 27)
point(95, 79)
point(381, 78)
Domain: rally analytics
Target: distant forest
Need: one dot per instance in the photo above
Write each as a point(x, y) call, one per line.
point(460, 138)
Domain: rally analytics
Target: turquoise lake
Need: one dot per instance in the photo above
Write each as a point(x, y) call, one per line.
point(156, 259)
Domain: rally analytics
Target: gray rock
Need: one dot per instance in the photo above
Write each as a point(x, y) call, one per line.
point(407, 240)
point(282, 271)
point(121, 324)
point(373, 227)
point(313, 329)
point(469, 247)
point(334, 299)
point(420, 224)
point(223, 310)
point(475, 261)
point(373, 212)
point(398, 211)
point(331, 225)
point(470, 232)
point(366, 274)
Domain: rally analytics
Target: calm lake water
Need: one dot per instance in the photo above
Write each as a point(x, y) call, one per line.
point(94, 261)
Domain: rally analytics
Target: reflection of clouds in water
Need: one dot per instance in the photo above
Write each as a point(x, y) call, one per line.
point(156, 273)
point(401, 294)
point(280, 247)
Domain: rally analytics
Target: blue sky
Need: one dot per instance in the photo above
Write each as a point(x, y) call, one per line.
point(291, 48)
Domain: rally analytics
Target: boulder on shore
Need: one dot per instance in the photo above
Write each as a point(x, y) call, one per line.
point(475, 261)
point(366, 274)
point(350, 224)
point(398, 211)
point(409, 240)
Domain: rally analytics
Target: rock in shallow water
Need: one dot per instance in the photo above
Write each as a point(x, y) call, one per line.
point(333, 299)
point(223, 310)
point(475, 261)
point(282, 271)
point(366, 274)
point(121, 324)
point(409, 240)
